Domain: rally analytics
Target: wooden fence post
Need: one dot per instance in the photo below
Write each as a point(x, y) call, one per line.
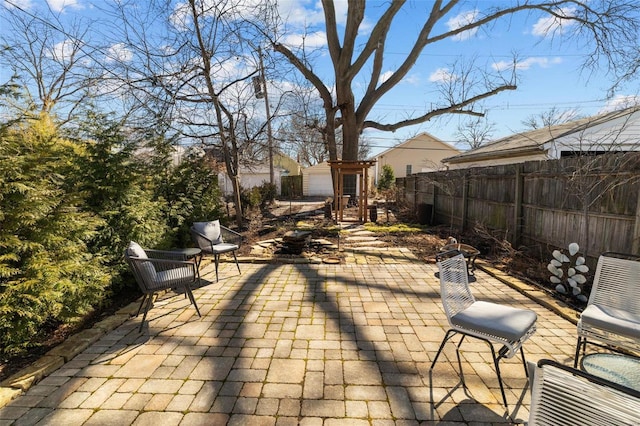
point(465, 201)
point(517, 206)
point(635, 243)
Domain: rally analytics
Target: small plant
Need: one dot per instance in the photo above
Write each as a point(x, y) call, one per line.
point(387, 178)
point(568, 272)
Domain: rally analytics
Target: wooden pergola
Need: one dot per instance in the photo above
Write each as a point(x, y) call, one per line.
point(339, 169)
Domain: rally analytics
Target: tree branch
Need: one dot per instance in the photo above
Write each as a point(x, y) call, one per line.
point(457, 108)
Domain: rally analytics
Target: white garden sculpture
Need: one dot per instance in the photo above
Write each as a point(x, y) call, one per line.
point(568, 272)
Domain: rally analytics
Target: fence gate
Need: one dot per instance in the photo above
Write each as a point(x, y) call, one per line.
point(291, 186)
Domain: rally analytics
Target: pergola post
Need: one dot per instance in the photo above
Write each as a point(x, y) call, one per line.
point(343, 168)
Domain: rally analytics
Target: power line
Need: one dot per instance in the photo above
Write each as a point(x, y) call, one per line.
point(505, 106)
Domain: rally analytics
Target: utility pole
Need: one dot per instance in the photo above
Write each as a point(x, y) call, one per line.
point(263, 93)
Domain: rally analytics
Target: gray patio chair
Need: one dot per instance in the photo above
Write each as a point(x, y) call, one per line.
point(215, 239)
point(562, 395)
point(156, 270)
point(490, 322)
point(612, 316)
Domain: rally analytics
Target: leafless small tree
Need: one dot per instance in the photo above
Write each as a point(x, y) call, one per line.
point(475, 133)
point(53, 66)
point(602, 163)
point(550, 118)
point(192, 65)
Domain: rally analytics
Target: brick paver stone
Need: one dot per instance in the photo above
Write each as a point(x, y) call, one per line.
point(309, 345)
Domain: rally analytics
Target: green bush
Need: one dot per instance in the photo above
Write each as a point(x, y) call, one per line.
point(259, 196)
point(191, 195)
point(68, 208)
point(387, 178)
point(47, 271)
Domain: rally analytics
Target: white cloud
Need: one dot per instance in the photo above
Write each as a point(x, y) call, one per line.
point(621, 102)
point(119, 52)
point(442, 75)
point(312, 40)
point(527, 63)
point(385, 76)
point(413, 79)
point(60, 5)
point(552, 24)
point(303, 13)
point(62, 51)
point(459, 21)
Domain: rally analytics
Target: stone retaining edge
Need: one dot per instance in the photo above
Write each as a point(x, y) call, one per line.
point(20, 382)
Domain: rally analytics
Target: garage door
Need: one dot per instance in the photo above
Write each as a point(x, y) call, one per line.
point(320, 185)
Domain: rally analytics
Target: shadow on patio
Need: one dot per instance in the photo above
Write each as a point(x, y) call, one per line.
point(294, 344)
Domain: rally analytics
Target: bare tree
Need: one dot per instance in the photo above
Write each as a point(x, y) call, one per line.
point(610, 27)
point(593, 177)
point(192, 64)
point(475, 133)
point(303, 141)
point(52, 65)
point(550, 118)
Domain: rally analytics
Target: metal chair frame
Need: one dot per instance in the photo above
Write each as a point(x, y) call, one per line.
point(616, 291)
point(453, 271)
point(173, 270)
point(232, 241)
point(562, 395)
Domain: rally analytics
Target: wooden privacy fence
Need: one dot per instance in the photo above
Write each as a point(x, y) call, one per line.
point(291, 186)
point(591, 200)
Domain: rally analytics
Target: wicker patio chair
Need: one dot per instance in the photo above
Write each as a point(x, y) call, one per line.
point(215, 239)
point(491, 322)
point(156, 270)
point(562, 395)
point(612, 316)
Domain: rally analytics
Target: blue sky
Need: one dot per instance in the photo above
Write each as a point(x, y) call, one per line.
point(549, 68)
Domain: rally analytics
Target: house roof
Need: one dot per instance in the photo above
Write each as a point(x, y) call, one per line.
point(538, 140)
point(413, 139)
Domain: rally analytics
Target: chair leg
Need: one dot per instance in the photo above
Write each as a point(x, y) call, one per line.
point(144, 297)
point(198, 260)
point(496, 362)
point(236, 259)
point(464, 383)
point(216, 259)
point(187, 290)
point(146, 309)
point(524, 362)
point(580, 343)
point(447, 336)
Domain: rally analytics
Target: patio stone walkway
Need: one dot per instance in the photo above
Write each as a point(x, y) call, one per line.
point(288, 344)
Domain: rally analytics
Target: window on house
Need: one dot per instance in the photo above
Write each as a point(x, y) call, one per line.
point(408, 169)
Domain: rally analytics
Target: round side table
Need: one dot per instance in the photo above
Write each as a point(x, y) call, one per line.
point(617, 368)
point(190, 253)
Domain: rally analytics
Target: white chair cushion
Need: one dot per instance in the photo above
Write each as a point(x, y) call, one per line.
point(611, 319)
point(223, 248)
point(211, 230)
point(495, 320)
point(146, 268)
point(134, 249)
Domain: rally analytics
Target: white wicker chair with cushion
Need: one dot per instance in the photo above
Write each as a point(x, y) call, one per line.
point(491, 322)
point(562, 395)
point(156, 270)
point(612, 315)
point(215, 239)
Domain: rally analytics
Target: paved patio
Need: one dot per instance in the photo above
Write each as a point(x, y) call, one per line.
point(288, 344)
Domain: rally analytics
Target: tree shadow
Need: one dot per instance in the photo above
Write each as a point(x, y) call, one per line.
point(235, 306)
